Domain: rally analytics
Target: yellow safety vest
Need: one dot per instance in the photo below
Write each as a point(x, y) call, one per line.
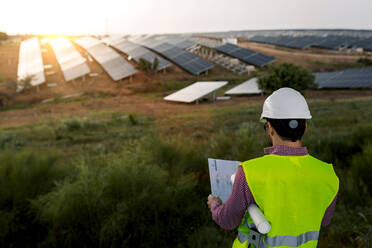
point(293, 192)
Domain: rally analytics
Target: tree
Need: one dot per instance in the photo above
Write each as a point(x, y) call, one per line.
point(25, 83)
point(147, 66)
point(286, 75)
point(365, 61)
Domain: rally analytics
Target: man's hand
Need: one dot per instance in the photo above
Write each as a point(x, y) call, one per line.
point(212, 199)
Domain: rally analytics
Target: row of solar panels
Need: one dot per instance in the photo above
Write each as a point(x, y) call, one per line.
point(352, 78)
point(114, 64)
point(199, 90)
point(246, 55)
point(72, 64)
point(173, 50)
point(30, 63)
point(328, 42)
point(137, 52)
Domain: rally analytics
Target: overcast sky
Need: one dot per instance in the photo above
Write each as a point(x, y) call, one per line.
point(171, 16)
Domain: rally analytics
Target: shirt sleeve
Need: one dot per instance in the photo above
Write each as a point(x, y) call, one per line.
point(329, 213)
point(230, 214)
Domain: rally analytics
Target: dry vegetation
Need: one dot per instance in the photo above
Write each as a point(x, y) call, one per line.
point(316, 60)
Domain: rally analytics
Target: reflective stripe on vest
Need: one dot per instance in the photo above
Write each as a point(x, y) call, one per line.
point(291, 241)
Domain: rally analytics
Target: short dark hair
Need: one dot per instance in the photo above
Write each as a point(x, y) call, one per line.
point(289, 129)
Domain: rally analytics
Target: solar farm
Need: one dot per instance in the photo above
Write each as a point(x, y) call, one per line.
point(124, 111)
point(188, 66)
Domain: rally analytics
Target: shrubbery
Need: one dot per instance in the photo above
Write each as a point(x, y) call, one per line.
point(286, 75)
point(117, 203)
point(365, 61)
point(147, 66)
point(153, 193)
point(24, 177)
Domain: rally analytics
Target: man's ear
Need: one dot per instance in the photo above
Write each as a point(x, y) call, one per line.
point(271, 129)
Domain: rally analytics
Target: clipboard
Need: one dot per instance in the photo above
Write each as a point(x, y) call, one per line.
point(220, 172)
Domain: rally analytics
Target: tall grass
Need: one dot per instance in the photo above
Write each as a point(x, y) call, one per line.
point(153, 192)
point(121, 204)
point(23, 177)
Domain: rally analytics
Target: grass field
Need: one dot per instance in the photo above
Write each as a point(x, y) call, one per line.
point(114, 178)
point(117, 166)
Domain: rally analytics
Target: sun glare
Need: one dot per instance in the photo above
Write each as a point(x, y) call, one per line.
point(56, 17)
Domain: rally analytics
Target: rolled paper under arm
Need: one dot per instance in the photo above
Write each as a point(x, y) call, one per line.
point(233, 178)
point(263, 226)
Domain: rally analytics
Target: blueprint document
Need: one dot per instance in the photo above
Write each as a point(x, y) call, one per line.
point(220, 172)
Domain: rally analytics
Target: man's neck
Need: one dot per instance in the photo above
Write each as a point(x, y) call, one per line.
point(298, 143)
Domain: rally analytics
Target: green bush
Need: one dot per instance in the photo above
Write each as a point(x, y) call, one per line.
point(286, 75)
point(25, 176)
point(25, 83)
point(211, 237)
point(116, 203)
point(73, 125)
point(365, 61)
point(361, 167)
point(350, 227)
point(147, 66)
point(171, 154)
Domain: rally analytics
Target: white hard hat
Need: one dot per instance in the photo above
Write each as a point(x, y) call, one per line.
point(285, 103)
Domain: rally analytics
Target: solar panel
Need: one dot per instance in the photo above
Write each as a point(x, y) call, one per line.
point(115, 66)
point(246, 55)
point(301, 42)
point(176, 41)
point(173, 52)
point(366, 44)
point(352, 78)
point(138, 52)
point(180, 57)
point(71, 62)
point(248, 87)
point(195, 91)
point(161, 47)
point(30, 62)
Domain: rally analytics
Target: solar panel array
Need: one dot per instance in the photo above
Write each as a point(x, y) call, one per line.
point(328, 42)
point(364, 43)
point(288, 41)
point(137, 52)
point(71, 62)
point(246, 55)
point(177, 41)
point(248, 87)
point(184, 59)
point(115, 65)
point(195, 92)
point(352, 78)
point(31, 62)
